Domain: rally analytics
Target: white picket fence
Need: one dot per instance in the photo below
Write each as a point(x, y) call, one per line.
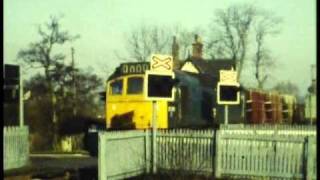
point(264, 129)
point(185, 150)
point(277, 151)
point(288, 127)
point(265, 156)
point(232, 152)
point(15, 147)
point(123, 154)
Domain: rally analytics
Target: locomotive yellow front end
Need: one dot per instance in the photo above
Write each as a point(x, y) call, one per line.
point(126, 107)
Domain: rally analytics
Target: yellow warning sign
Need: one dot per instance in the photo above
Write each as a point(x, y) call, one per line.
point(228, 76)
point(161, 62)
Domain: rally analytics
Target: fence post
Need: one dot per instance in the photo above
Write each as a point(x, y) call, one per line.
point(154, 136)
point(27, 144)
point(101, 156)
point(147, 151)
point(309, 157)
point(217, 155)
point(213, 146)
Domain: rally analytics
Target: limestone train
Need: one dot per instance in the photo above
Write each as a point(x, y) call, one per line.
point(194, 105)
point(126, 107)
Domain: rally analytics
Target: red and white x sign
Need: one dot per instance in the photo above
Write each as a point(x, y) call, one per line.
point(161, 62)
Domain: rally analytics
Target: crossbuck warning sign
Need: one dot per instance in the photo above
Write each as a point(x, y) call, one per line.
point(161, 62)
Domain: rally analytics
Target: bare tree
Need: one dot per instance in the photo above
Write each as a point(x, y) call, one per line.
point(231, 29)
point(143, 41)
point(38, 107)
point(147, 39)
point(105, 69)
point(287, 87)
point(185, 38)
point(235, 29)
point(264, 64)
point(265, 25)
point(41, 54)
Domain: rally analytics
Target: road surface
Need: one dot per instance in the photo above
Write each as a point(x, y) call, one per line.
point(75, 166)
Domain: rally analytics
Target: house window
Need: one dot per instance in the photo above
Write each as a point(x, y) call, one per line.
point(116, 87)
point(135, 85)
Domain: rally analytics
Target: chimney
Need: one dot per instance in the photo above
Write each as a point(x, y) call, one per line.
point(175, 53)
point(175, 49)
point(197, 47)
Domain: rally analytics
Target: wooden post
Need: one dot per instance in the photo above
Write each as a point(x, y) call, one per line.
point(147, 151)
point(101, 156)
point(218, 155)
point(309, 157)
point(226, 114)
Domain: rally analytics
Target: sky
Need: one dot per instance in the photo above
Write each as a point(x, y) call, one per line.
point(102, 25)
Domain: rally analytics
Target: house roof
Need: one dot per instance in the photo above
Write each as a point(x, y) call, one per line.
point(209, 73)
point(211, 67)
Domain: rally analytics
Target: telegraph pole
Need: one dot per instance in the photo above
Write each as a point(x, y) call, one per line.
point(74, 110)
point(21, 110)
point(313, 91)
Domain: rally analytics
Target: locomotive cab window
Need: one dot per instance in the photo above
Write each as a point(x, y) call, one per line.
point(135, 85)
point(116, 87)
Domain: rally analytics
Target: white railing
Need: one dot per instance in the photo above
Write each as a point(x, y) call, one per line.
point(186, 150)
point(265, 156)
point(123, 154)
point(236, 152)
point(264, 129)
point(269, 126)
point(15, 147)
